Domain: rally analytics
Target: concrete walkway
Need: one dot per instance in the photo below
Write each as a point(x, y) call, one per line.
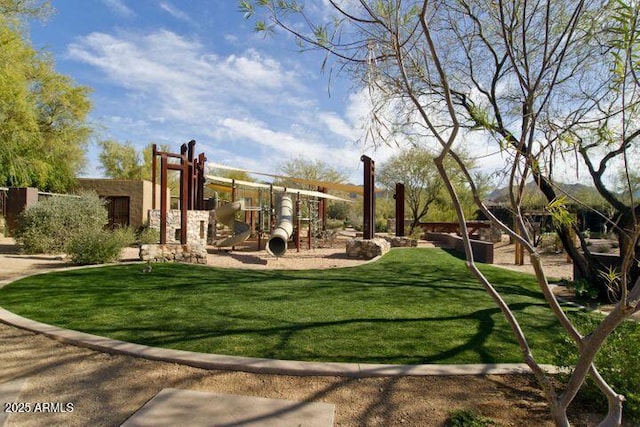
point(173, 407)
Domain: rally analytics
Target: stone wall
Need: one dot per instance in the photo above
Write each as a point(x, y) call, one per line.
point(171, 252)
point(491, 234)
point(197, 225)
point(367, 248)
point(401, 242)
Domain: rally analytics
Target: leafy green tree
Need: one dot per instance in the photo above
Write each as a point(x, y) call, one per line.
point(43, 114)
point(308, 170)
point(123, 161)
point(424, 188)
point(304, 175)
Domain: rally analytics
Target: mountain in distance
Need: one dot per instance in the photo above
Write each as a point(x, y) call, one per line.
point(586, 193)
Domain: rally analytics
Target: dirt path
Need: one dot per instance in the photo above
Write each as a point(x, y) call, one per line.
point(106, 389)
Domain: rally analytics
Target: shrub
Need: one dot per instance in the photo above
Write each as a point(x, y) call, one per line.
point(148, 235)
point(126, 235)
point(618, 361)
point(97, 246)
point(381, 225)
point(48, 226)
point(585, 289)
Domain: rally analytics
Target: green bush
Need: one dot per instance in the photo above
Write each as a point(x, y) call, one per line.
point(618, 361)
point(126, 235)
point(381, 225)
point(49, 225)
point(148, 235)
point(335, 224)
point(97, 246)
point(585, 289)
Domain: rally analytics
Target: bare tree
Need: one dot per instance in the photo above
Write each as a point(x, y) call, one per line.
point(532, 77)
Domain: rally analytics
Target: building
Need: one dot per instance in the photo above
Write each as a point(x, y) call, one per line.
point(128, 201)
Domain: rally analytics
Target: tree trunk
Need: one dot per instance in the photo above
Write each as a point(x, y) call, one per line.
point(587, 266)
point(627, 241)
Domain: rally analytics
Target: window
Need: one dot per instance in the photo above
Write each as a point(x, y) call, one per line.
point(118, 208)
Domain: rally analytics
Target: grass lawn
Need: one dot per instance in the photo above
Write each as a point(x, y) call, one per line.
point(412, 306)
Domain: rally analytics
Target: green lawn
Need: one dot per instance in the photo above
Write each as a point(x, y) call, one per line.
point(412, 306)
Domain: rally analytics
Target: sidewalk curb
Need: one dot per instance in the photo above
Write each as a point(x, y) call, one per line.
point(259, 365)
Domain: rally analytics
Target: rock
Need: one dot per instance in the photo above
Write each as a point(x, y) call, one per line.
point(367, 248)
point(190, 253)
point(401, 242)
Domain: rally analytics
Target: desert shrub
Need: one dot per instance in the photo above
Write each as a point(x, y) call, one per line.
point(550, 243)
point(335, 224)
point(97, 246)
point(381, 225)
point(467, 418)
point(147, 235)
point(618, 361)
point(126, 235)
point(585, 289)
point(48, 226)
point(417, 233)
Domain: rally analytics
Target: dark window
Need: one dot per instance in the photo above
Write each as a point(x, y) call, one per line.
point(118, 208)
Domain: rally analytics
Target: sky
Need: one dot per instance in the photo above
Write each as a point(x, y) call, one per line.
point(171, 71)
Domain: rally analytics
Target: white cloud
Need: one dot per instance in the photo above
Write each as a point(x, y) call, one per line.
point(246, 105)
point(119, 8)
point(338, 125)
point(175, 12)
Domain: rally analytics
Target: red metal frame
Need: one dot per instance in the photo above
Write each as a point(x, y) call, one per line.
point(191, 185)
point(369, 205)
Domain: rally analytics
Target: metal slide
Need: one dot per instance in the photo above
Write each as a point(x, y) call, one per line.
point(277, 244)
point(241, 230)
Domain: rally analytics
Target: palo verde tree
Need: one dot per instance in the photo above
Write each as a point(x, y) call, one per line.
point(43, 114)
point(424, 188)
point(514, 74)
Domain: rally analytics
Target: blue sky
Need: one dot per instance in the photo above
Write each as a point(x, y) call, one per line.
point(168, 71)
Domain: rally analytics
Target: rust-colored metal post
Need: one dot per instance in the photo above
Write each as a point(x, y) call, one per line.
point(202, 161)
point(260, 229)
point(322, 210)
point(399, 197)
point(272, 212)
point(154, 162)
point(163, 198)
point(191, 175)
point(184, 193)
point(298, 222)
point(519, 250)
point(309, 233)
point(368, 214)
point(233, 190)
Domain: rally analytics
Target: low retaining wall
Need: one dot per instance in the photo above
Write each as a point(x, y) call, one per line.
point(401, 242)
point(172, 252)
point(482, 251)
point(608, 261)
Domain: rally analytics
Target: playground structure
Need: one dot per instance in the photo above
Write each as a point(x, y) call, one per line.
point(277, 244)
point(248, 197)
point(225, 214)
point(281, 224)
point(281, 212)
